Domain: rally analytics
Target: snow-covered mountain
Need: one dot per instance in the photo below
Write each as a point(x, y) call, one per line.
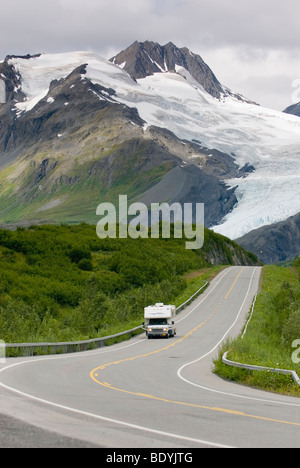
point(143, 59)
point(171, 89)
point(267, 140)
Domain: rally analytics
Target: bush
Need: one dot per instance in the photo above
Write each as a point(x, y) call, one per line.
point(85, 264)
point(291, 328)
point(76, 255)
point(19, 322)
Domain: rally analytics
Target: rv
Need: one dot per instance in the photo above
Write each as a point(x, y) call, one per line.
point(160, 320)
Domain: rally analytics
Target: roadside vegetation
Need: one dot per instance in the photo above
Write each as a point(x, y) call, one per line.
point(270, 336)
point(63, 283)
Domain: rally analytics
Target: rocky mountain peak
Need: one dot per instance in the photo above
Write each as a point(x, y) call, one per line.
point(142, 59)
point(294, 109)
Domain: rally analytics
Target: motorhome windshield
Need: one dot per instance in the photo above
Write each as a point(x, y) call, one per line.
point(158, 321)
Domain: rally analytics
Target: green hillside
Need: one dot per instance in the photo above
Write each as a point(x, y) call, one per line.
point(62, 283)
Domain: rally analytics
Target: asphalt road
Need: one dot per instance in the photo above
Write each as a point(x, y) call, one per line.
point(150, 393)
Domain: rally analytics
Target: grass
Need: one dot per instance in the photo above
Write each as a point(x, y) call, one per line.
point(270, 334)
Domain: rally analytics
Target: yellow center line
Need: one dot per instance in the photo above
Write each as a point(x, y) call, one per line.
point(194, 405)
point(104, 366)
point(94, 376)
point(232, 286)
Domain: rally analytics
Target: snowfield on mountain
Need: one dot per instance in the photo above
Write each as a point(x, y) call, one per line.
point(265, 139)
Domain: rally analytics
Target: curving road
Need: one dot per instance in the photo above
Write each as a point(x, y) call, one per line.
point(150, 393)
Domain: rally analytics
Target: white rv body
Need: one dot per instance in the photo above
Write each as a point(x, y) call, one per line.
point(160, 320)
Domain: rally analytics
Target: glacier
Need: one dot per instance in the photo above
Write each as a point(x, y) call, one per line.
point(267, 139)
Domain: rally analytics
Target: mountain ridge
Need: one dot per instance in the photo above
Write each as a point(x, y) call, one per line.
point(276, 243)
point(143, 59)
point(294, 109)
point(76, 129)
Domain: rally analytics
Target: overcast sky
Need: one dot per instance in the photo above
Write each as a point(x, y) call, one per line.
point(253, 46)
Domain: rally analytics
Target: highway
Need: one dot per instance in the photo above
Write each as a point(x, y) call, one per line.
point(151, 393)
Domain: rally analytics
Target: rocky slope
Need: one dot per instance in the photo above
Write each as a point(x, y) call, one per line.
point(276, 243)
point(143, 59)
point(294, 109)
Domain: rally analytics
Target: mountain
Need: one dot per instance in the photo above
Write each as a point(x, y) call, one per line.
point(144, 59)
point(276, 243)
point(294, 109)
point(154, 123)
point(67, 143)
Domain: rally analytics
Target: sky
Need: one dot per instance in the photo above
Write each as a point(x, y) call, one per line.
point(252, 46)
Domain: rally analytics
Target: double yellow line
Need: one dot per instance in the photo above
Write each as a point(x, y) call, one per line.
point(94, 374)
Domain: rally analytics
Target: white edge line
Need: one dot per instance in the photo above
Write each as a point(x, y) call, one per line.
point(215, 347)
point(205, 296)
point(114, 421)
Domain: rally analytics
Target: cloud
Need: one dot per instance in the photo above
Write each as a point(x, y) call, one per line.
point(263, 75)
point(100, 23)
point(256, 23)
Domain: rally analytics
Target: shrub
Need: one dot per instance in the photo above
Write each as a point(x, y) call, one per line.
point(291, 328)
point(85, 264)
point(78, 254)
